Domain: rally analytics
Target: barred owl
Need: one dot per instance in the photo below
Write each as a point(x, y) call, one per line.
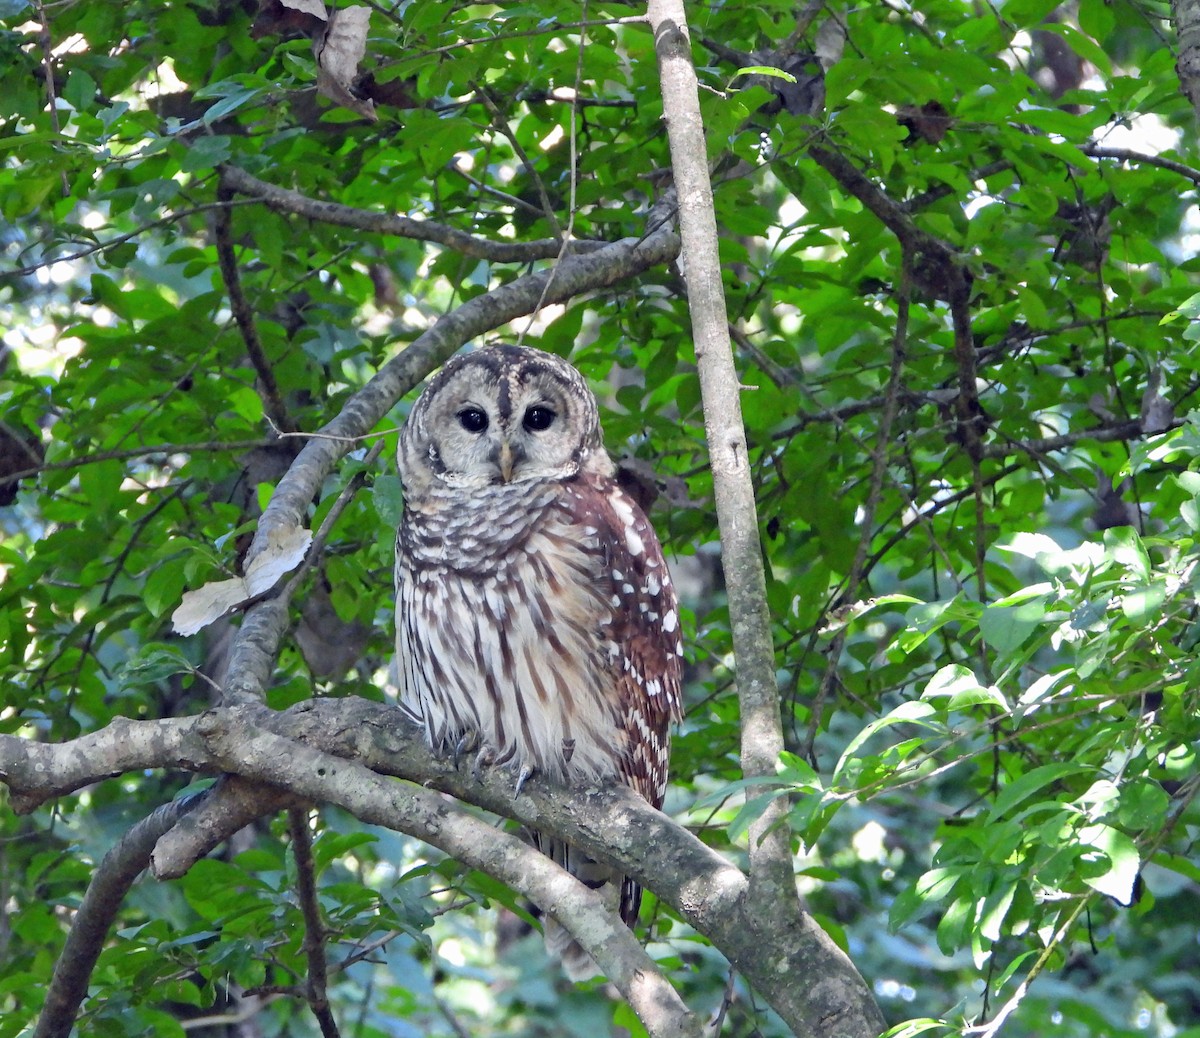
point(536, 623)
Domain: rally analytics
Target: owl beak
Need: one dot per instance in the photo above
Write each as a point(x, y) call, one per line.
point(506, 461)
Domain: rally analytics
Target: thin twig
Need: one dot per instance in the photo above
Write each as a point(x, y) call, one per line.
point(500, 124)
point(314, 925)
point(775, 372)
point(880, 449)
point(566, 238)
point(139, 452)
point(120, 239)
point(335, 512)
point(449, 48)
point(495, 192)
point(47, 41)
point(243, 315)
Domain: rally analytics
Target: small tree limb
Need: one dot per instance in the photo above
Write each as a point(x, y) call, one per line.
point(314, 926)
point(105, 893)
point(243, 314)
point(283, 200)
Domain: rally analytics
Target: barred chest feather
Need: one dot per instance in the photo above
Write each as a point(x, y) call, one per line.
point(537, 619)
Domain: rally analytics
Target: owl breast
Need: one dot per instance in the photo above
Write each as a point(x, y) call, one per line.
point(521, 610)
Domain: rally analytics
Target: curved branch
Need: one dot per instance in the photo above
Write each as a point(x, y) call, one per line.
point(256, 753)
point(283, 200)
point(612, 825)
point(110, 883)
point(1097, 151)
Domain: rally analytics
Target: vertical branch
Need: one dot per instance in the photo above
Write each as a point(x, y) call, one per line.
point(1186, 14)
point(314, 926)
point(243, 315)
point(47, 42)
point(841, 1002)
point(737, 514)
point(969, 413)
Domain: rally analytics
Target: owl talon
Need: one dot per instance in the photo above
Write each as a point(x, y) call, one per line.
point(483, 757)
point(461, 747)
point(525, 773)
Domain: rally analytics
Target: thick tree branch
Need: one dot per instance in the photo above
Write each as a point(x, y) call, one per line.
point(1187, 28)
point(772, 902)
point(260, 754)
point(283, 200)
point(612, 825)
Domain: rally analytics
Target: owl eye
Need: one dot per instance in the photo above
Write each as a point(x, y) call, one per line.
point(538, 418)
point(472, 419)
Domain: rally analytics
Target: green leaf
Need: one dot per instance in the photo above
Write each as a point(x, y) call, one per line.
point(387, 495)
point(1123, 862)
point(960, 686)
point(1031, 782)
point(765, 70)
point(79, 90)
point(1143, 604)
point(1126, 548)
point(237, 97)
point(1007, 628)
point(913, 712)
point(154, 663)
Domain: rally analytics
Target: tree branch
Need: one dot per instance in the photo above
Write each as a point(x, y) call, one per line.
point(243, 314)
point(762, 729)
point(257, 753)
point(612, 825)
point(110, 883)
point(283, 200)
point(314, 925)
point(772, 901)
point(1129, 155)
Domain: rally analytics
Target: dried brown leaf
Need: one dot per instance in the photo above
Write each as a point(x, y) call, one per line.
point(285, 551)
point(314, 7)
point(338, 50)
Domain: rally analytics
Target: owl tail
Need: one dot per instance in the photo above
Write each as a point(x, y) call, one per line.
point(619, 892)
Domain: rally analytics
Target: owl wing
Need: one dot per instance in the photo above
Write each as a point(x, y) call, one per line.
point(640, 653)
point(646, 665)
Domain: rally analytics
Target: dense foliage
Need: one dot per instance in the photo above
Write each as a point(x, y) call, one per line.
point(959, 253)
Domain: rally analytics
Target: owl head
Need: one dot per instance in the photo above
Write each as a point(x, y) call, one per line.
point(502, 414)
